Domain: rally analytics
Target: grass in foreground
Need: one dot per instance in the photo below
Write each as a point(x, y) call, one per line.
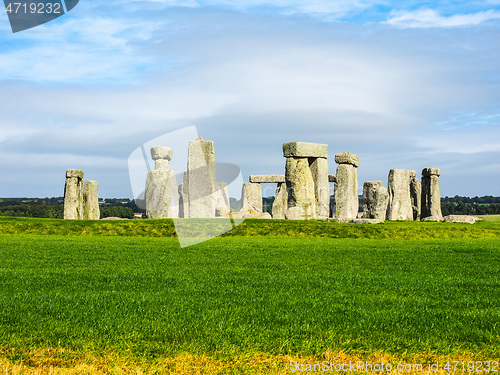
point(244, 304)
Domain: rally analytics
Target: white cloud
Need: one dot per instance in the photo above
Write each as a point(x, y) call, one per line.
point(430, 18)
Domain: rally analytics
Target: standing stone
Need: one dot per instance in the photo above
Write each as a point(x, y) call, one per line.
point(73, 195)
point(400, 201)
point(162, 199)
point(201, 186)
point(251, 197)
point(375, 199)
point(184, 197)
point(222, 206)
point(306, 171)
point(280, 201)
point(431, 193)
point(319, 170)
point(91, 201)
point(346, 186)
point(415, 194)
point(300, 189)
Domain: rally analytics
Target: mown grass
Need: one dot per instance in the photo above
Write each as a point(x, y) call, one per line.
point(251, 228)
point(237, 298)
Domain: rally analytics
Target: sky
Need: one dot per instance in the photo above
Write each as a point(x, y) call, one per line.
point(401, 84)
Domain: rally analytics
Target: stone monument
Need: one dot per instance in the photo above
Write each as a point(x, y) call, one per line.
point(431, 193)
point(73, 195)
point(375, 199)
point(91, 201)
point(306, 177)
point(162, 199)
point(346, 186)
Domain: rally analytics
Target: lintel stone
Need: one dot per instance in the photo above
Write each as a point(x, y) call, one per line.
point(270, 178)
point(305, 150)
point(347, 158)
point(74, 173)
point(431, 172)
point(159, 152)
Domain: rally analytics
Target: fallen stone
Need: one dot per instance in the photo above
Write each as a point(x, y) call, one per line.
point(367, 221)
point(271, 178)
point(461, 219)
point(91, 201)
point(305, 150)
point(432, 218)
point(347, 158)
point(375, 200)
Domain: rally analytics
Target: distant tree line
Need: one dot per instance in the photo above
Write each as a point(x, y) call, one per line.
point(125, 208)
point(53, 207)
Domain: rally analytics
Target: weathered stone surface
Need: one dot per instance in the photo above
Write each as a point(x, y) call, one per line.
point(415, 194)
point(461, 219)
point(347, 158)
point(74, 173)
point(184, 197)
point(301, 190)
point(431, 193)
point(271, 178)
point(252, 197)
point(319, 171)
point(431, 172)
point(91, 201)
point(280, 201)
point(432, 218)
point(162, 200)
point(400, 202)
point(375, 200)
point(161, 153)
point(367, 221)
point(161, 193)
point(305, 150)
point(201, 178)
point(73, 195)
point(332, 178)
point(222, 206)
point(346, 192)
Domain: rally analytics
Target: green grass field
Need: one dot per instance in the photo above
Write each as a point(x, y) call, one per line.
point(83, 301)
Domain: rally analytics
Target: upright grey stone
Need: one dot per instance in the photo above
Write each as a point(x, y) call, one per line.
point(415, 194)
point(162, 197)
point(301, 190)
point(319, 170)
point(375, 199)
point(306, 177)
point(346, 186)
point(400, 201)
point(222, 207)
point(184, 198)
point(280, 201)
point(73, 195)
point(201, 185)
point(91, 201)
point(431, 193)
point(251, 197)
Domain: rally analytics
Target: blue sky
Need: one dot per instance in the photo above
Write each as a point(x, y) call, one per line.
point(401, 84)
